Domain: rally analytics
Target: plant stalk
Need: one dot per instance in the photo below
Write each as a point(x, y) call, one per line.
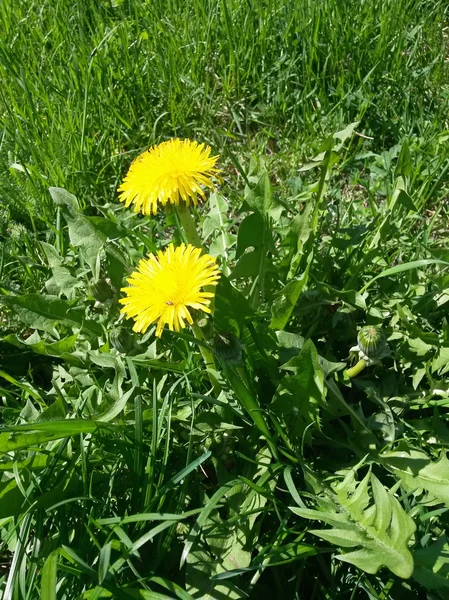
point(356, 369)
point(187, 229)
point(187, 225)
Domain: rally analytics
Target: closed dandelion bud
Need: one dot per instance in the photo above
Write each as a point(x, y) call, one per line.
point(228, 348)
point(122, 340)
point(371, 341)
point(101, 290)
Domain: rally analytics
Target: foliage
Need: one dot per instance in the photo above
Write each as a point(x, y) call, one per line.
point(237, 459)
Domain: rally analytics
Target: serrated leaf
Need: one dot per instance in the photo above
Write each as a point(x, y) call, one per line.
point(62, 349)
point(299, 397)
point(377, 524)
point(441, 360)
point(43, 312)
point(259, 195)
point(416, 471)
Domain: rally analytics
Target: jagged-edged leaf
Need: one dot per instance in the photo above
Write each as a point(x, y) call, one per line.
point(300, 397)
point(417, 471)
point(374, 524)
point(63, 348)
point(43, 312)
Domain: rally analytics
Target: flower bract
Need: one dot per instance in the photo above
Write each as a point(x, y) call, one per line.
point(165, 286)
point(167, 173)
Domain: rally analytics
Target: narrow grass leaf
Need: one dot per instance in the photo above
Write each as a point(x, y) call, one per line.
point(416, 264)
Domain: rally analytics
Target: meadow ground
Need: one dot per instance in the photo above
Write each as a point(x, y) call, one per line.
point(247, 456)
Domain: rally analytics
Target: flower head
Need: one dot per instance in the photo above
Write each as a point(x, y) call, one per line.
point(166, 285)
point(166, 173)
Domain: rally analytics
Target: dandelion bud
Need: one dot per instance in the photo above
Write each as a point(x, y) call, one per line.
point(228, 348)
point(371, 341)
point(101, 290)
point(122, 340)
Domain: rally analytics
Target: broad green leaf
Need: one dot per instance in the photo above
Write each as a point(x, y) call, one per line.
point(290, 341)
point(64, 199)
point(11, 499)
point(44, 312)
point(249, 265)
point(258, 195)
point(56, 411)
point(231, 308)
point(346, 133)
point(107, 228)
point(61, 275)
point(375, 525)
point(62, 349)
point(86, 233)
point(117, 407)
point(251, 233)
point(216, 219)
point(441, 361)
point(404, 200)
point(417, 471)
point(299, 398)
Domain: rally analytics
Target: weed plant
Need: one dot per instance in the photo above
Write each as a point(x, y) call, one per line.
point(130, 467)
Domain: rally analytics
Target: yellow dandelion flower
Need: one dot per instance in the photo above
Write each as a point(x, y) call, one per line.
point(166, 285)
point(166, 173)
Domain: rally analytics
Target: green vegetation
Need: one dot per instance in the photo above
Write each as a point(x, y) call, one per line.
point(128, 470)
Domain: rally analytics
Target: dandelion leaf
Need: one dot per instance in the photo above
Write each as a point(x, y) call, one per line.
point(367, 517)
point(418, 472)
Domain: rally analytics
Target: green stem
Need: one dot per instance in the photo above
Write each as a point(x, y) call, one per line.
point(187, 225)
point(208, 358)
point(358, 368)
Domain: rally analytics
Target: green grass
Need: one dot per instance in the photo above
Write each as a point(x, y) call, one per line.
point(127, 474)
point(85, 89)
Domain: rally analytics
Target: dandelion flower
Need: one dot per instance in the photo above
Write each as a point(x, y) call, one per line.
point(166, 285)
point(166, 173)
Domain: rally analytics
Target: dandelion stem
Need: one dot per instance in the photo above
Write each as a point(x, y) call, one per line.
point(188, 226)
point(358, 368)
point(207, 357)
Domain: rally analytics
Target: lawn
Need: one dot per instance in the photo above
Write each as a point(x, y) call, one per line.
point(291, 441)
